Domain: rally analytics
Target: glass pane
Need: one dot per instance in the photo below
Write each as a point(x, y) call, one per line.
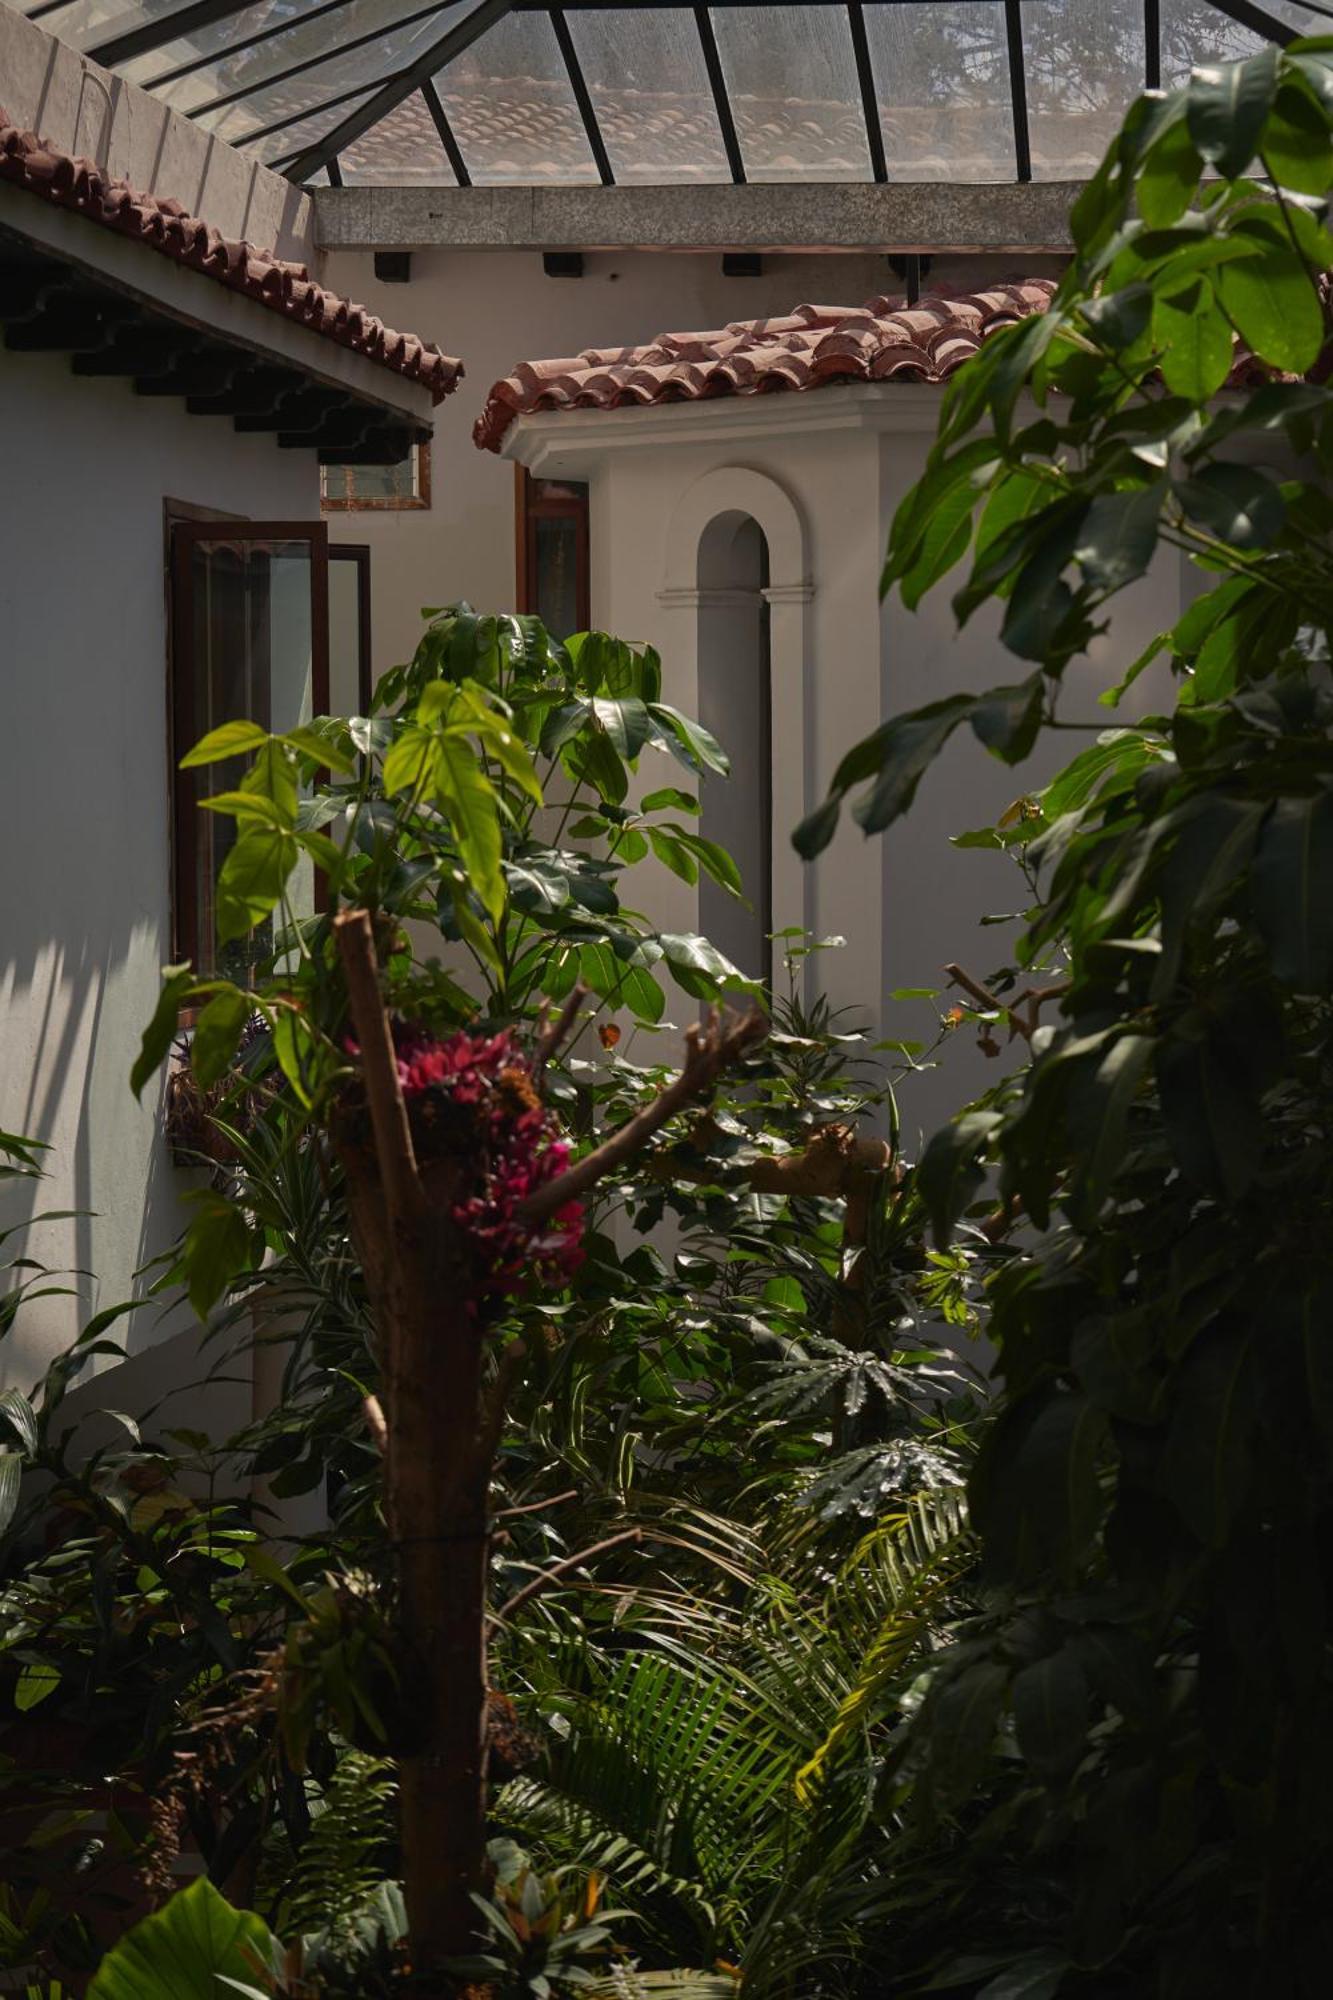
point(252, 656)
point(1085, 63)
point(247, 69)
point(512, 108)
point(300, 133)
point(791, 77)
point(555, 549)
point(402, 149)
point(645, 70)
point(85, 23)
point(274, 19)
point(1195, 32)
point(942, 84)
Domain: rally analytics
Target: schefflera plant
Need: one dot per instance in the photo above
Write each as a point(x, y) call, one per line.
point(486, 798)
point(461, 1193)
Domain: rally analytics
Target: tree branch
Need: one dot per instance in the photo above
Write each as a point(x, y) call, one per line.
point(560, 1569)
point(553, 1036)
point(379, 1065)
point(710, 1047)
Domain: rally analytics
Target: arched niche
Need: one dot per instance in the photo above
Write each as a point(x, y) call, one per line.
point(737, 569)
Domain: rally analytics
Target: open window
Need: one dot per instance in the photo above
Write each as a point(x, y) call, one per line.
point(249, 639)
point(551, 556)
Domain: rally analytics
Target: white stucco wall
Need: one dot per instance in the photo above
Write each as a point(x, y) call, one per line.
point(84, 897)
point(823, 474)
point(494, 308)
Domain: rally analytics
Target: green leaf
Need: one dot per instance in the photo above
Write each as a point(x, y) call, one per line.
point(11, 1475)
point(1292, 887)
point(1205, 1459)
point(1296, 149)
point(699, 966)
point(713, 859)
point(215, 1249)
point(1272, 302)
point(250, 806)
point(626, 723)
point(216, 1033)
point(1007, 719)
point(18, 1412)
point(1051, 1714)
point(467, 796)
point(252, 879)
point(673, 854)
point(413, 762)
point(37, 1680)
point(164, 1027)
point(669, 799)
point(951, 1174)
point(813, 834)
point(299, 1052)
point(181, 1951)
point(904, 749)
point(230, 740)
point(323, 740)
point(1098, 1117)
point(1226, 107)
point(1194, 341)
point(1213, 1121)
point(959, 1720)
point(1235, 503)
point(689, 741)
point(1168, 177)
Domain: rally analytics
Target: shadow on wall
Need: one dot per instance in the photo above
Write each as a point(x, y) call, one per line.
point(111, 1197)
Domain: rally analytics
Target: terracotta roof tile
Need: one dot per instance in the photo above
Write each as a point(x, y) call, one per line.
point(878, 342)
point(164, 224)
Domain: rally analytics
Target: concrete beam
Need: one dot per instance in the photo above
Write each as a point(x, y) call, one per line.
point(935, 216)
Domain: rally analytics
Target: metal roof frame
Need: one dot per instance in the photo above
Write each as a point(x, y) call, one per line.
point(378, 100)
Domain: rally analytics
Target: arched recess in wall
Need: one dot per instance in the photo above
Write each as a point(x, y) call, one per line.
point(738, 571)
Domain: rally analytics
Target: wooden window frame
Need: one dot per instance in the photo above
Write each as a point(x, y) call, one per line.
point(185, 533)
point(532, 505)
point(346, 503)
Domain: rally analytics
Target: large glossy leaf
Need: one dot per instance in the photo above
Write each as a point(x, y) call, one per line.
point(1226, 108)
point(1272, 302)
point(1194, 340)
point(1051, 1713)
point(1292, 883)
point(164, 1027)
point(1206, 1456)
point(252, 879)
point(180, 1951)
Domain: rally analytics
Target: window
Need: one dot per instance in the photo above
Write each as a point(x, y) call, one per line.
point(370, 489)
point(351, 675)
point(552, 552)
point(249, 639)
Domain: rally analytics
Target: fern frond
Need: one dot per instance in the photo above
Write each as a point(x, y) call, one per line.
point(341, 1864)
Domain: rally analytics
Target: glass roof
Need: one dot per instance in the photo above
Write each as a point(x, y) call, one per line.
point(509, 92)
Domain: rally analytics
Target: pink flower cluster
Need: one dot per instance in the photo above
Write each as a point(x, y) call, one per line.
point(476, 1092)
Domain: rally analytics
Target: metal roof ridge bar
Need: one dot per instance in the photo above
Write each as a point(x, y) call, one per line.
point(448, 137)
point(1258, 20)
point(721, 102)
point(582, 97)
point(164, 28)
point(1152, 44)
point(856, 21)
point(391, 94)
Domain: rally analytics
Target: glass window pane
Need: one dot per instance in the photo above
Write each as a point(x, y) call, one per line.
point(247, 69)
point(942, 84)
point(645, 71)
point(402, 150)
point(85, 23)
point(302, 132)
point(557, 578)
point(1085, 64)
point(276, 20)
point(1194, 32)
point(512, 108)
point(251, 656)
point(791, 77)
